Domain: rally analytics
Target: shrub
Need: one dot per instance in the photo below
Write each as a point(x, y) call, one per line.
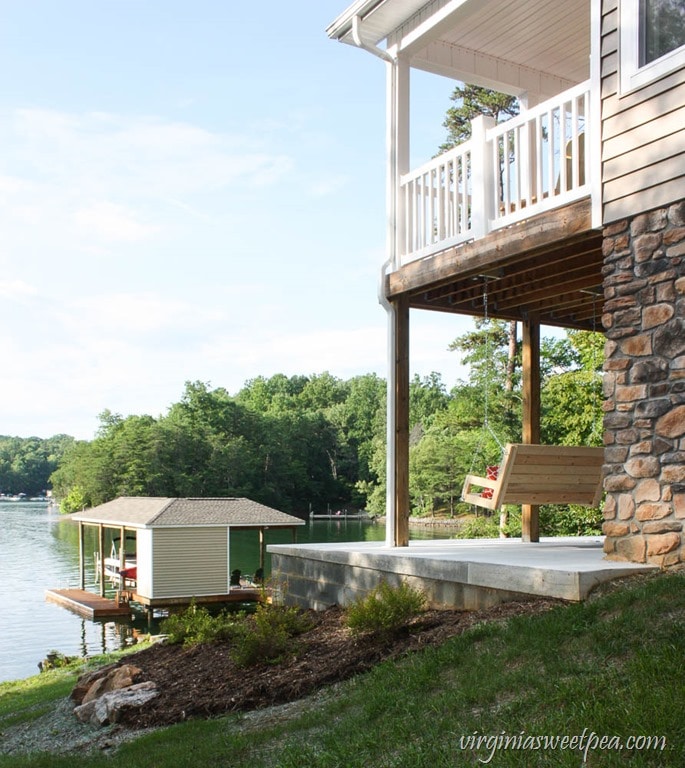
point(385, 609)
point(268, 635)
point(197, 625)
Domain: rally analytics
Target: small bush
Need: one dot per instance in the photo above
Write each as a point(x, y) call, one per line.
point(385, 609)
point(197, 625)
point(268, 635)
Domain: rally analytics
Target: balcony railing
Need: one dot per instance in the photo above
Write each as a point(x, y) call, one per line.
point(505, 173)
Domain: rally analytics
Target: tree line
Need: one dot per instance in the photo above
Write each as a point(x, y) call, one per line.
point(317, 443)
point(26, 464)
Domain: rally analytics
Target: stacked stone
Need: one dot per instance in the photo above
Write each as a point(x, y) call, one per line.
point(644, 387)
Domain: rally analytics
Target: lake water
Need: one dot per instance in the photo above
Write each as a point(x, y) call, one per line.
point(39, 551)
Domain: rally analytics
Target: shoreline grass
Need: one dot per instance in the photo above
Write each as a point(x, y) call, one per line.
point(611, 666)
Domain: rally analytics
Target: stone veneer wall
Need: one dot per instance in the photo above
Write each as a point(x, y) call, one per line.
point(644, 387)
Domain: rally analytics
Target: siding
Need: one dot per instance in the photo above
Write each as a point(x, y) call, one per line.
point(190, 561)
point(643, 135)
point(144, 557)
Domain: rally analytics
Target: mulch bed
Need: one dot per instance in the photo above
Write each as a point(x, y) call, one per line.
point(203, 681)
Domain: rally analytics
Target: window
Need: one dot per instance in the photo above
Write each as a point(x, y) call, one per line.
point(652, 40)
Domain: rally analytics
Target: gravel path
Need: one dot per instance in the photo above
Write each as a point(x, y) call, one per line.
point(59, 732)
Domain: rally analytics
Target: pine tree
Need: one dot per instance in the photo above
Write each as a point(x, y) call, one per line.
point(471, 101)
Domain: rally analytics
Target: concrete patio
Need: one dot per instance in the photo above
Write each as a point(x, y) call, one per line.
point(454, 573)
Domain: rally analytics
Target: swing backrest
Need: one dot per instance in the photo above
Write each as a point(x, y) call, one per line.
point(541, 474)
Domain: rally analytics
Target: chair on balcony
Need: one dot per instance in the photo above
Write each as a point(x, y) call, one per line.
point(540, 474)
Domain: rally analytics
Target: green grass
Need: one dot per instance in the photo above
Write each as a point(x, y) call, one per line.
point(612, 666)
point(26, 700)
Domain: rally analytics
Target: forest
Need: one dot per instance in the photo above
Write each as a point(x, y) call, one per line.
point(317, 443)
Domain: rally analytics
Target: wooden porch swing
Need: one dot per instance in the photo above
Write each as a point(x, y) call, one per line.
point(531, 473)
point(540, 474)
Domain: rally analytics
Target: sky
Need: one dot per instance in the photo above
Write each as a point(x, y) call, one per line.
point(192, 192)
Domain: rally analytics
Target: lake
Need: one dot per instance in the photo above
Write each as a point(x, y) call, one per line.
point(39, 551)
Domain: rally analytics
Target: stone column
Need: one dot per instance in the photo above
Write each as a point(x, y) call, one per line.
point(644, 387)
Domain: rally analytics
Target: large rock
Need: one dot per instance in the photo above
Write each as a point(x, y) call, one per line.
point(103, 694)
point(116, 679)
point(109, 706)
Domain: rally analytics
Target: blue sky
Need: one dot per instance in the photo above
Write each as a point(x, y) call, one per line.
point(191, 191)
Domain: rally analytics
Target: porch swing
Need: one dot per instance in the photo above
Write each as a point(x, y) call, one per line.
point(530, 473)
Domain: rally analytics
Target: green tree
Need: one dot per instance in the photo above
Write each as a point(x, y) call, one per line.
point(470, 102)
point(27, 463)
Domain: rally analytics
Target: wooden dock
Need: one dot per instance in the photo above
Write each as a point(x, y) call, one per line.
point(87, 604)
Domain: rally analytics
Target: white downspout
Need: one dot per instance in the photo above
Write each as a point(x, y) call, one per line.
point(391, 249)
point(360, 43)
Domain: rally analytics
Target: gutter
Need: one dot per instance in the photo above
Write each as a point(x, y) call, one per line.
point(360, 43)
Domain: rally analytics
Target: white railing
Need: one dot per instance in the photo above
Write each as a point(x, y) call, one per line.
point(503, 174)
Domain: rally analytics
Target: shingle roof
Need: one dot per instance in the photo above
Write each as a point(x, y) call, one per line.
point(154, 512)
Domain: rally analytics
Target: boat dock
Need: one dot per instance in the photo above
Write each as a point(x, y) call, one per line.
point(87, 604)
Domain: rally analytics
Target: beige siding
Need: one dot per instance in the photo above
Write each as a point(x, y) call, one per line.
point(643, 135)
point(144, 559)
point(190, 561)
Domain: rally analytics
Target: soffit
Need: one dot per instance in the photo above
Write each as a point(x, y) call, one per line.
point(551, 37)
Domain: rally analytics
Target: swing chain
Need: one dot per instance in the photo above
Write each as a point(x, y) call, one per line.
point(486, 395)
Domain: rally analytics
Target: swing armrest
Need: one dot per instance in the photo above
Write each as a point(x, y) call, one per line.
point(471, 497)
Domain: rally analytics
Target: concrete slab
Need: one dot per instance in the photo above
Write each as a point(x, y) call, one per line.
point(461, 573)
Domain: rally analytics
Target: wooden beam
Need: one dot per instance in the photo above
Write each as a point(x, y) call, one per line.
point(530, 523)
point(497, 249)
point(401, 535)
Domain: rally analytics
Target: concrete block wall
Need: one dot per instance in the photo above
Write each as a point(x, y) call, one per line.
point(310, 581)
point(644, 387)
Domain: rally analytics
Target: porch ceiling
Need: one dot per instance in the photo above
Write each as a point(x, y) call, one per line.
point(549, 267)
point(518, 46)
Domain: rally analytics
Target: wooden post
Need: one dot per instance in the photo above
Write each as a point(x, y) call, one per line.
point(402, 423)
point(81, 556)
point(530, 523)
point(101, 549)
point(261, 548)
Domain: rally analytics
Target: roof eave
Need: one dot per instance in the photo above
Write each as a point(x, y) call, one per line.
point(341, 28)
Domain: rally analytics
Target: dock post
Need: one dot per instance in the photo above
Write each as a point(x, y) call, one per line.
point(81, 556)
point(101, 547)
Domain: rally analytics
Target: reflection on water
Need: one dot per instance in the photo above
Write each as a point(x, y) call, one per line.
point(39, 550)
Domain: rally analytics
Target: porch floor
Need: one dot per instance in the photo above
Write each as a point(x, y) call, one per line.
point(455, 573)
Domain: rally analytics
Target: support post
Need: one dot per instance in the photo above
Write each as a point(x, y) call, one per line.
point(401, 430)
point(261, 548)
point(81, 556)
point(101, 550)
point(482, 177)
point(530, 523)
point(397, 433)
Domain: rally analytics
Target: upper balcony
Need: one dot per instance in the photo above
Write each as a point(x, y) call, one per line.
point(518, 205)
point(503, 175)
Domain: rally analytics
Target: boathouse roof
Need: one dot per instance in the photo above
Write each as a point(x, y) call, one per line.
point(157, 512)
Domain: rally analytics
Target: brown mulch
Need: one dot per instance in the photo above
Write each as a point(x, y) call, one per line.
point(202, 681)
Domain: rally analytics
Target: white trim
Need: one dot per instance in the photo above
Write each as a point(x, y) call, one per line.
point(632, 75)
point(594, 148)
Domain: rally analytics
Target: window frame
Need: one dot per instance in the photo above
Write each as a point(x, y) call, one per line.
point(632, 75)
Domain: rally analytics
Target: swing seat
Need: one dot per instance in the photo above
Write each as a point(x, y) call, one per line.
point(540, 474)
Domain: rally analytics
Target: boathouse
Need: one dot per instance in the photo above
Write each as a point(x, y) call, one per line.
point(172, 550)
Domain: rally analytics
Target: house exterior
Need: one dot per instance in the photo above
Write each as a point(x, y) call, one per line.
point(571, 214)
point(181, 549)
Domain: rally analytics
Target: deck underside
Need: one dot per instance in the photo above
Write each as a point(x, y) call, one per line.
point(548, 267)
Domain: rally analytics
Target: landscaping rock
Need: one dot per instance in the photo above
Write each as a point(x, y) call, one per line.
point(108, 707)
